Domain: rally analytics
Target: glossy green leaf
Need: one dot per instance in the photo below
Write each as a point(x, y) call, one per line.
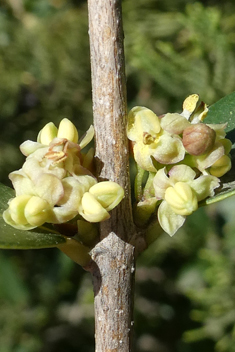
point(224, 111)
point(11, 238)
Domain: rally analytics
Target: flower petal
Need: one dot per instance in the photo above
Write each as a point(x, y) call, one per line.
point(219, 130)
point(49, 188)
point(204, 186)
point(60, 215)
point(73, 192)
point(142, 155)
point(29, 147)
point(160, 183)
point(204, 161)
point(36, 164)
point(168, 220)
point(174, 123)
point(8, 219)
point(21, 183)
point(142, 120)
point(87, 137)
point(169, 150)
point(181, 173)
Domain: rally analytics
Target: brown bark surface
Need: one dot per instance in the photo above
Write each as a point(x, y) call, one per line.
point(113, 281)
point(113, 258)
point(109, 106)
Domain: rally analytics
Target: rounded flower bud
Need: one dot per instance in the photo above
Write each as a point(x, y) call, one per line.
point(108, 193)
point(36, 211)
point(92, 210)
point(221, 166)
point(47, 134)
point(26, 212)
point(198, 139)
point(67, 130)
point(181, 198)
point(16, 209)
point(227, 144)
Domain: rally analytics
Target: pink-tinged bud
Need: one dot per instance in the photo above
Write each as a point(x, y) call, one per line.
point(198, 139)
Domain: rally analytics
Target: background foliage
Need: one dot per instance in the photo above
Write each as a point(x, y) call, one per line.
point(185, 284)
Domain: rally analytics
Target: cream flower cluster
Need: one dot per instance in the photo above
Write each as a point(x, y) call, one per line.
point(55, 183)
point(186, 155)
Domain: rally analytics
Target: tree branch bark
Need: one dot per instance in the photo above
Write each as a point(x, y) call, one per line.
point(113, 257)
point(109, 105)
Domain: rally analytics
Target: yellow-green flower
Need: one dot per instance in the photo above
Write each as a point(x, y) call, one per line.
point(181, 198)
point(151, 142)
point(180, 191)
point(99, 200)
point(55, 183)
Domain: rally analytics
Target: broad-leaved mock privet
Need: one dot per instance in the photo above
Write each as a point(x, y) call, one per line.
point(56, 184)
point(184, 157)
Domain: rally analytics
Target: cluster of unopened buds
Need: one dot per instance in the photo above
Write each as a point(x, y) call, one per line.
point(184, 156)
point(56, 184)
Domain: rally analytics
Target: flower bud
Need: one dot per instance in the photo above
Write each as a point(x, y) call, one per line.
point(92, 210)
point(16, 209)
point(198, 139)
point(36, 211)
point(47, 134)
point(29, 147)
point(227, 144)
point(108, 193)
point(67, 130)
point(221, 166)
point(181, 198)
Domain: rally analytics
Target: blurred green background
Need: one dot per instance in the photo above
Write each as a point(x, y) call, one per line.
point(185, 286)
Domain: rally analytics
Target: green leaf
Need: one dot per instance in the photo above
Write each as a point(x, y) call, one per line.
point(224, 111)
point(11, 238)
